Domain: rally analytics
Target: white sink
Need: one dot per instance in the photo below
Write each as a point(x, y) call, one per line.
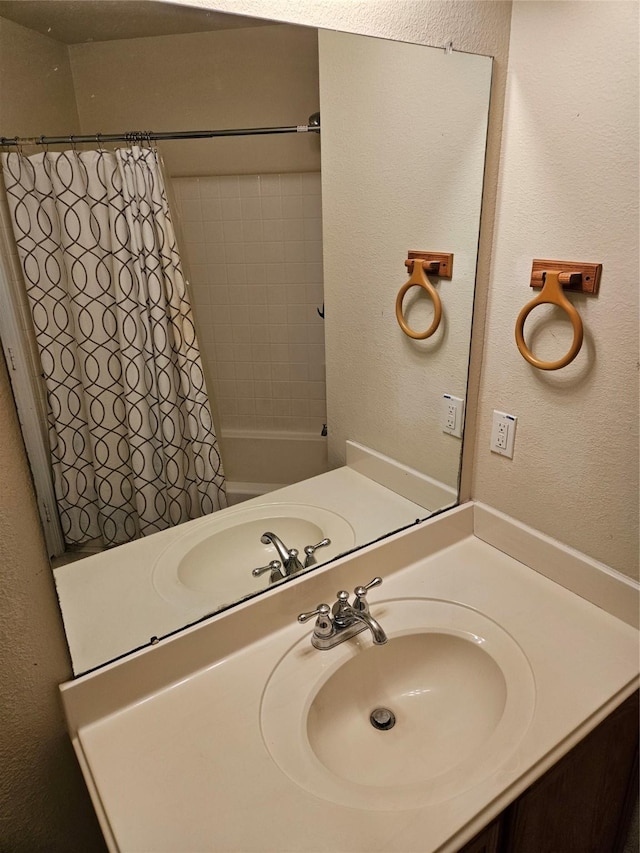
point(211, 564)
point(460, 688)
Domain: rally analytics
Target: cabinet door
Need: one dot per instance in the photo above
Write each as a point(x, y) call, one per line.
point(486, 841)
point(581, 804)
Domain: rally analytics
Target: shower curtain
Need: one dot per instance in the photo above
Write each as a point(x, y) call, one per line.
point(131, 433)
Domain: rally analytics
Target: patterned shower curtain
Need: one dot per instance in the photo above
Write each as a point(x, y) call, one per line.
point(132, 439)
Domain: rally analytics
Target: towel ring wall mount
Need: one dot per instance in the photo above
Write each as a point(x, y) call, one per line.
point(423, 264)
point(554, 277)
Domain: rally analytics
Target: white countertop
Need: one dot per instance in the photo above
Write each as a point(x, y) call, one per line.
point(170, 739)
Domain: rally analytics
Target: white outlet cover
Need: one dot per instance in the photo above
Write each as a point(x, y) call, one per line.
point(452, 418)
point(503, 433)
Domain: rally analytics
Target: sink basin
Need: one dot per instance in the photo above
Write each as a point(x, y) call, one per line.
point(458, 688)
point(446, 693)
point(211, 563)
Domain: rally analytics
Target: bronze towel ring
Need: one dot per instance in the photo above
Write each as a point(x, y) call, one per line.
point(551, 294)
point(419, 278)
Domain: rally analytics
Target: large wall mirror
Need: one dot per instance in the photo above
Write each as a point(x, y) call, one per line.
point(331, 422)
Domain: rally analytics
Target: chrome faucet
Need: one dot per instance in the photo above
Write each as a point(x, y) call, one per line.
point(288, 557)
point(343, 620)
point(288, 564)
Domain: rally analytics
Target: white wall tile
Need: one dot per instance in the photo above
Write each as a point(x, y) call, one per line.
point(311, 183)
point(212, 232)
point(292, 207)
point(275, 273)
point(271, 207)
point(217, 273)
point(312, 229)
point(253, 245)
point(209, 187)
point(193, 231)
point(211, 209)
point(294, 252)
point(251, 208)
point(269, 185)
point(313, 251)
point(291, 184)
point(273, 230)
point(229, 186)
point(231, 209)
point(256, 273)
point(236, 274)
point(187, 188)
point(274, 253)
point(293, 229)
point(249, 185)
point(215, 253)
point(232, 231)
point(199, 274)
point(312, 207)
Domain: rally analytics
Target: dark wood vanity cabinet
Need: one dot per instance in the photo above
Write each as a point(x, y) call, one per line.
point(581, 805)
point(487, 841)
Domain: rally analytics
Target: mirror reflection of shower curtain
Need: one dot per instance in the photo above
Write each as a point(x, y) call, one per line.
point(132, 438)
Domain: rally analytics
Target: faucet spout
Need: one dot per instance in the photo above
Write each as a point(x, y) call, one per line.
point(379, 636)
point(271, 539)
point(288, 557)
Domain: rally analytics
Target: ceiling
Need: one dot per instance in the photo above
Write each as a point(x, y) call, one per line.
point(77, 21)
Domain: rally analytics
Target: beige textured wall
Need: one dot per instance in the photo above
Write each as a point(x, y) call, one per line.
point(255, 77)
point(568, 190)
point(37, 88)
point(43, 801)
point(44, 805)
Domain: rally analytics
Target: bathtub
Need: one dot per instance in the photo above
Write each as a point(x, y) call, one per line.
point(259, 462)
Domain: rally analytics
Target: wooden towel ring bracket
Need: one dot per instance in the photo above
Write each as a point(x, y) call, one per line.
point(551, 276)
point(435, 263)
point(576, 277)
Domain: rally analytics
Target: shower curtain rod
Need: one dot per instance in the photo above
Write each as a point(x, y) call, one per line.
point(151, 136)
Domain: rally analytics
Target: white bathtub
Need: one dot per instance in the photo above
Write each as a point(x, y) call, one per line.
point(256, 463)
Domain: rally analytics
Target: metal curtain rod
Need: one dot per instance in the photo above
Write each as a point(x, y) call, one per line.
point(149, 135)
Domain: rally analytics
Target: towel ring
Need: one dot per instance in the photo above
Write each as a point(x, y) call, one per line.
point(551, 294)
point(419, 279)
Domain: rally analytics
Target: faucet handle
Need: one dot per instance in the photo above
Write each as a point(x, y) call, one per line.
point(321, 610)
point(273, 566)
point(360, 592)
point(324, 623)
point(310, 550)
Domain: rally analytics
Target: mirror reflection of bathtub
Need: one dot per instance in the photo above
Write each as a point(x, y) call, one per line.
point(391, 180)
point(266, 460)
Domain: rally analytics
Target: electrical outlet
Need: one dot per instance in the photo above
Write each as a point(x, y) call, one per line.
point(452, 415)
point(503, 433)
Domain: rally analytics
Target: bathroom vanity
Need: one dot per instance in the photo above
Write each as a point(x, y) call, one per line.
point(511, 666)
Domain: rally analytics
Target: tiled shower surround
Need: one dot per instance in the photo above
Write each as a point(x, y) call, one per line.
point(253, 252)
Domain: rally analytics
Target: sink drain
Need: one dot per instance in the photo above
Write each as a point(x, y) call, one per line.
point(382, 719)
